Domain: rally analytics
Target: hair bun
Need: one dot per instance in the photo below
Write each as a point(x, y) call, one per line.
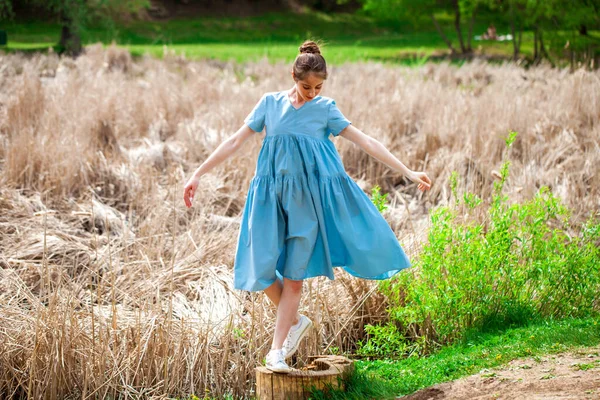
point(309, 47)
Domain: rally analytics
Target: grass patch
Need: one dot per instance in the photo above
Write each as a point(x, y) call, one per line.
point(348, 37)
point(390, 378)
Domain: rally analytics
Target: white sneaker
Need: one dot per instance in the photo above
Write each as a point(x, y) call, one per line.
point(290, 345)
point(276, 362)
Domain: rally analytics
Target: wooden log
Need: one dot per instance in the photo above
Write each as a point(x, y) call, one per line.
point(295, 385)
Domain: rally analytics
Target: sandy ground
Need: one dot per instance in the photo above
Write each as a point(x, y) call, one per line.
point(569, 375)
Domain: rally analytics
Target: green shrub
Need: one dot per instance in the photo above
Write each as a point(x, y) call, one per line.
point(385, 340)
point(491, 266)
point(378, 199)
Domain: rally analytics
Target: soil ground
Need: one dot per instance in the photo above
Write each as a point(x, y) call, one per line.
point(570, 375)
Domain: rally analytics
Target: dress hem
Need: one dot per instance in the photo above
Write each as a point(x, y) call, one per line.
point(380, 277)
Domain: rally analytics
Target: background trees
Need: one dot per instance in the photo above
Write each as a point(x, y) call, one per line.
point(558, 26)
point(75, 15)
point(542, 29)
point(463, 10)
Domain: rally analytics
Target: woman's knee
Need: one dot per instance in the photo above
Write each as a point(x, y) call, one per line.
point(294, 286)
point(275, 286)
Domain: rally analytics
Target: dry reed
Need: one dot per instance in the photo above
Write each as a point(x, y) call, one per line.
point(110, 286)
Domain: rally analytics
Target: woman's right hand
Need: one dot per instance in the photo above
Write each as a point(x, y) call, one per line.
point(189, 190)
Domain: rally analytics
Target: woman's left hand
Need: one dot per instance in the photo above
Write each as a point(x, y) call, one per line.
point(421, 178)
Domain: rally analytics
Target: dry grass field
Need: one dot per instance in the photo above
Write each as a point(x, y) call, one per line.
point(110, 286)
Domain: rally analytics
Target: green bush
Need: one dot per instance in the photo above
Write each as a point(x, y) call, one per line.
point(378, 199)
point(491, 266)
point(384, 340)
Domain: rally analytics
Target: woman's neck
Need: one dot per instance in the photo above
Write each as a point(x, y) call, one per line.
point(293, 94)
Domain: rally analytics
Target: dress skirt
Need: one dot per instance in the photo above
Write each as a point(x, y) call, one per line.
point(304, 215)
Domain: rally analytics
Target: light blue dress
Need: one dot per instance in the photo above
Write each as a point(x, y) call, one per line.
point(304, 214)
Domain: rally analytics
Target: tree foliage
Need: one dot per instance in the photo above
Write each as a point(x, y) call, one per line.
point(76, 15)
point(557, 24)
point(548, 19)
point(411, 9)
point(6, 10)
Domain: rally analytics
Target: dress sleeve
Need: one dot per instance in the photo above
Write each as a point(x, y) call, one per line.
point(336, 122)
point(256, 119)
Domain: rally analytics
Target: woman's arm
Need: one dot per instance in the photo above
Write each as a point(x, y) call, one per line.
point(220, 154)
point(225, 150)
point(376, 149)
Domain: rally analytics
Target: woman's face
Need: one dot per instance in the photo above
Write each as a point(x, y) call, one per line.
point(310, 87)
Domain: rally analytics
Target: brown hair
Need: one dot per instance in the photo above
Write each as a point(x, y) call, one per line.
point(309, 61)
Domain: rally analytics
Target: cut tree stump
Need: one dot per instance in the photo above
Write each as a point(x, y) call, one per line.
point(296, 385)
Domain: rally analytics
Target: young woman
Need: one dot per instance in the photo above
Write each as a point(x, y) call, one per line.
point(303, 214)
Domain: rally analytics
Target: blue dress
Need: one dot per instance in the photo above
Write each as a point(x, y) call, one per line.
point(304, 214)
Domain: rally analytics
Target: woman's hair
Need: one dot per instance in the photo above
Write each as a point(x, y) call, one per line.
point(309, 61)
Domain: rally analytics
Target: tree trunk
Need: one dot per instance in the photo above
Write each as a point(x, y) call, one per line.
point(471, 23)
point(543, 52)
point(520, 36)
point(325, 371)
point(457, 26)
point(514, 35)
point(535, 45)
point(572, 57)
point(70, 41)
point(441, 32)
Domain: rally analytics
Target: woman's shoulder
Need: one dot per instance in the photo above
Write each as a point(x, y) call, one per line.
point(272, 97)
point(325, 98)
point(267, 95)
point(275, 94)
point(325, 101)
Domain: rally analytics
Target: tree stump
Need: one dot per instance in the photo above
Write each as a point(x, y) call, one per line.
point(296, 385)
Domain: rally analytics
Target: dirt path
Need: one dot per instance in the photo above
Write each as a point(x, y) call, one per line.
point(569, 375)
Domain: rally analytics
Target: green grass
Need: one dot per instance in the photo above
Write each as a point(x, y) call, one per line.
point(348, 37)
point(389, 378)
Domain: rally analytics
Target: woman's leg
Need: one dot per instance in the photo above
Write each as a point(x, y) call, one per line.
point(273, 292)
point(287, 308)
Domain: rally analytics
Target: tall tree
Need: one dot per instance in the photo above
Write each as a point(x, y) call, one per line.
point(556, 24)
point(75, 15)
point(6, 10)
point(412, 8)
point(519, 13)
